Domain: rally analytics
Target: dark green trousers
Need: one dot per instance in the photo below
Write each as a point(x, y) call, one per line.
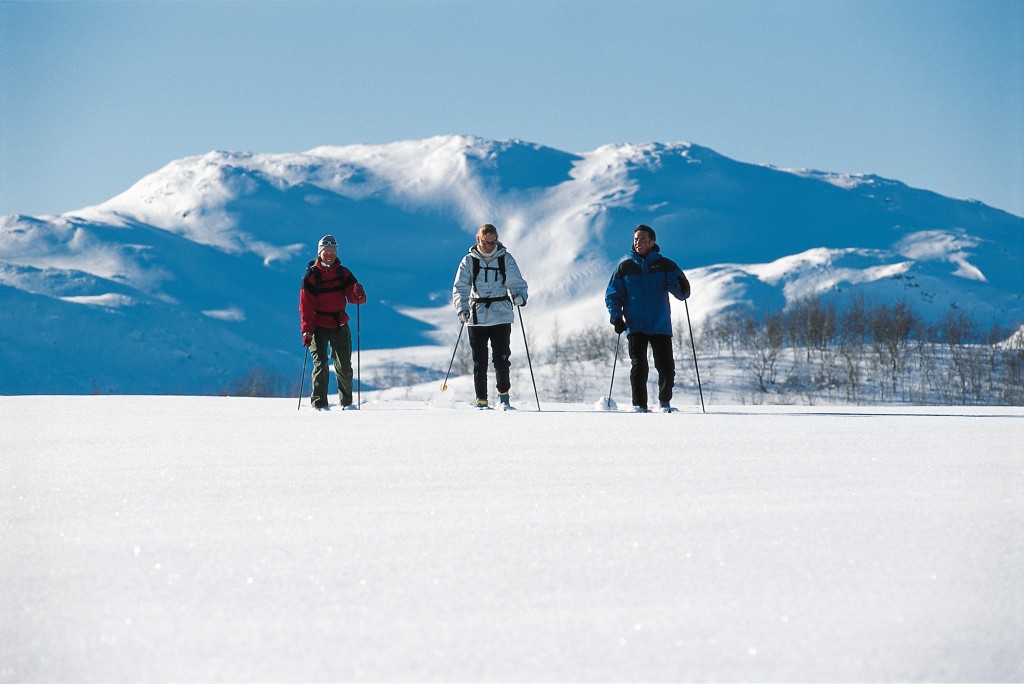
point(336, 345)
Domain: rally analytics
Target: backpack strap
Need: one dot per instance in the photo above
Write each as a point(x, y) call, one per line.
point(315, 284)
point(486, 301)
point(477, 267)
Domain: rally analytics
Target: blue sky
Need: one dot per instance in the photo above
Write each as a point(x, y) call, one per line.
point(94, 95)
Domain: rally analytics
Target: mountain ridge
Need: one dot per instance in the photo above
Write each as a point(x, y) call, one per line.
point(217, 243)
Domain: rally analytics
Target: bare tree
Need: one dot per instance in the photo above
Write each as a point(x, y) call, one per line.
point(765, 341)
point(891, 329)
point(257, 382)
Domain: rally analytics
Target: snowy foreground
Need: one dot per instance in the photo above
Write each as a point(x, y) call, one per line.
point(150, 539)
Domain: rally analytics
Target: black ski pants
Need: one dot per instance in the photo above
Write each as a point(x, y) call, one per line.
point(661, 346)
point(331, 344)
point(500, 337)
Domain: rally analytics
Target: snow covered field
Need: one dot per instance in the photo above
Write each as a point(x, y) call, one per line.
point(150, 539)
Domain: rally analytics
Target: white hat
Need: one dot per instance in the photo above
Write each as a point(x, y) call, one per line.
point(326, 241)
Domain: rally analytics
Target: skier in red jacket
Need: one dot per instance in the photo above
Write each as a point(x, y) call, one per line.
point(326, 288)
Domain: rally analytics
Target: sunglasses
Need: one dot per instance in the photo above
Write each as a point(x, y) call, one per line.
point(489, 243)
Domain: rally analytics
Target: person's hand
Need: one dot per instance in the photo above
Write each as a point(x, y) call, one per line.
point(307, 338)
point(464, 316)
point(518, 300)
point(620, 325)
point(684, 286)
point(358, 292)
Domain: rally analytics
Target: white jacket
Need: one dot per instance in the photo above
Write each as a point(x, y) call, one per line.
point(488, 303)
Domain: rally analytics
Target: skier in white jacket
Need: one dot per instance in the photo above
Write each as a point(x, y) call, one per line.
point(486, 286)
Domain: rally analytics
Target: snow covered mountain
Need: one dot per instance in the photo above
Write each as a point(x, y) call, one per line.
point(189, 279)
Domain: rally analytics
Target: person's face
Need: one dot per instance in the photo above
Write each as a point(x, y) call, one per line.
point(641, 243)
point(487, 243)
point(328, 254)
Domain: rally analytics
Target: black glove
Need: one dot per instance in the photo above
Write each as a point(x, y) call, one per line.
point(464, 316)
point(620, 325)
point(684, 285)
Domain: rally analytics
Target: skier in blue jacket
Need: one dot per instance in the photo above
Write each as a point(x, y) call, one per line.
point(638, 304)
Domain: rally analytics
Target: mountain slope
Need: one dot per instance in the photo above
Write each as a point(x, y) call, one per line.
point(189, 278)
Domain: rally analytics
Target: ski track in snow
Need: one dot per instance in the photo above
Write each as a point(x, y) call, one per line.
point(154, 539)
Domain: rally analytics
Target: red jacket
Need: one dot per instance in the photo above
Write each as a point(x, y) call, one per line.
point(324, 294)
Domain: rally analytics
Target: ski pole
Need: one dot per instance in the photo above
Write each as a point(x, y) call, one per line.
point(359, 380)
point(302, 378)
point(444, 385)
point(614, 361)
point(526, 344)
point(694, 347)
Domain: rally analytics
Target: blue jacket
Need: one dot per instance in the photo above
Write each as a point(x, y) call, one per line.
point(638, 291)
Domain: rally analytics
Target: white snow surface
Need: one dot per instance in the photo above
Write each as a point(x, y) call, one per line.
point(151, 539)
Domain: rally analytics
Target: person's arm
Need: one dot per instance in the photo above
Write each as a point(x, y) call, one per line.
point(354, 293)
point(514, 281)
point(615, 298)
point(461, 287)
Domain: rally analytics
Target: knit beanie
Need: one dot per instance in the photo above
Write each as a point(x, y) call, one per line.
point(326, 241)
